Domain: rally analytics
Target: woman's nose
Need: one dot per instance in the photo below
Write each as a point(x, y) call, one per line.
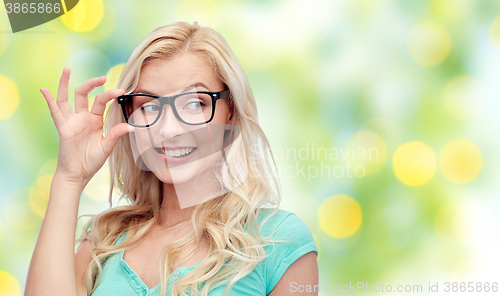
point(170, 125)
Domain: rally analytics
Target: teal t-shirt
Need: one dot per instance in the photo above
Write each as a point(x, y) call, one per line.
point(119, 279)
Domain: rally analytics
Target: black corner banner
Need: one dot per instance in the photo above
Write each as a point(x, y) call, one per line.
point(26, 14)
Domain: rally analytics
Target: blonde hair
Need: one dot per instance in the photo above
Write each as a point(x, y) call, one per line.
point(234, 247)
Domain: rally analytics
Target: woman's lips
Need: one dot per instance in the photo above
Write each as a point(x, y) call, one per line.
point(174, 159)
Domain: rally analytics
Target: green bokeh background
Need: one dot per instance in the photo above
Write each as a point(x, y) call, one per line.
point(323, 73)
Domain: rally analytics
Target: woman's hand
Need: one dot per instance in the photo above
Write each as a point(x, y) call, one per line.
point(83, 149)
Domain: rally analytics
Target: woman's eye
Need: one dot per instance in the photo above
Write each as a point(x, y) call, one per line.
point(195, 105)
point(150, 108)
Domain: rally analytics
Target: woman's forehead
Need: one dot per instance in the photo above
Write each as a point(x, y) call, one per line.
point(178, 73)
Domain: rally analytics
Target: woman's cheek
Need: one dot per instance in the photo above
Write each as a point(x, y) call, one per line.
point(142, 141)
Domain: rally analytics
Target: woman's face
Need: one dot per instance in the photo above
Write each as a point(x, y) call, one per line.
point(198, 145)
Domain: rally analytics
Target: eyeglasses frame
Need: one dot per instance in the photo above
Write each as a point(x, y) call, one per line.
point(170, 100)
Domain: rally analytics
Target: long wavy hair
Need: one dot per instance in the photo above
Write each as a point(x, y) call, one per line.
point(228, 222)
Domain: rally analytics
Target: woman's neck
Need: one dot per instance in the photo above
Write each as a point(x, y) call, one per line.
point(171, 213)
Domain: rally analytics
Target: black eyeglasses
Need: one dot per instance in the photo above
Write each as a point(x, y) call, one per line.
point(193, 108)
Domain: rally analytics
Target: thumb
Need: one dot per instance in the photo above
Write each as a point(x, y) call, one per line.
point(109, 142)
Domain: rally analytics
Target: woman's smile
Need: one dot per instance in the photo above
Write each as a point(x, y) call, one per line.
point(174, 155)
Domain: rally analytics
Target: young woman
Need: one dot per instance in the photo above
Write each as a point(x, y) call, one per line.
point(187, 153)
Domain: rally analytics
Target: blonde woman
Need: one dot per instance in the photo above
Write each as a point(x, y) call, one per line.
point(186, 151)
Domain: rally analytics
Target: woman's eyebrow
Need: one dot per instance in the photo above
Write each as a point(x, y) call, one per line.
point(196, 84)
point(143, 91)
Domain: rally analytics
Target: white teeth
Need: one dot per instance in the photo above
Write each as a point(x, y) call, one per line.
point(178, 152)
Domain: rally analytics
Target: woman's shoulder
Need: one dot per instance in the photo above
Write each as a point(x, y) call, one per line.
point(289, 239)
point(278, 222)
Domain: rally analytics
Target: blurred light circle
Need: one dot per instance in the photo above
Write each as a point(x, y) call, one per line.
point(414, 163)
point(471, 223)
point(113, 76)
point(43, 183)
point(340, 216)
point(39, 195)
point(9, 285)
point(365, 149)
point(428, 44)
point(1, 233)
point(386, 128)
point(106, 26)
point(17, 210)
point(9, 97)
point(464, 97)
point(48, 168)
point(494, 33)
point(85, 16)
point(460, 161)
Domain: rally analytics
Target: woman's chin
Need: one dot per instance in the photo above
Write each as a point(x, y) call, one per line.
point(174, 176)
point(194, 171)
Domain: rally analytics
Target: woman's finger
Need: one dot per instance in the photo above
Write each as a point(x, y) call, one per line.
point(62, 94)
point(101, 100)
point(55, 112)
point(114, 134)
point(82, 92)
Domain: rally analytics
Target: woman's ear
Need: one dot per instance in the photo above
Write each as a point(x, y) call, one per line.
point(230, 119)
